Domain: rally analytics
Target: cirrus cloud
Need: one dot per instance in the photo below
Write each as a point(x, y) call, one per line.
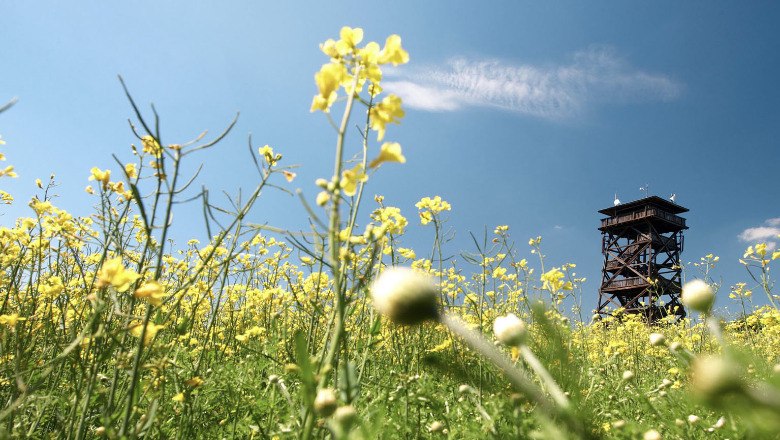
point(592, 77)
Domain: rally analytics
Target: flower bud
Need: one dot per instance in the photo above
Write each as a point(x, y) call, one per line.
point(714, 377)
point(510, 330)
point(693, 419)
point(657, 339)
point(322, 198)
point(436, 426)
point(345, 416)
point(325, 403)
point(405, 296)
point(698, 295)
point(652, 435)
point(628, 375)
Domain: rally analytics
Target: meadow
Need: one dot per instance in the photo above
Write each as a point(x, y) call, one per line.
point(109, 329)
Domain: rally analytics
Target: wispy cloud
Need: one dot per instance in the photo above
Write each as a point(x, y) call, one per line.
point(768, 233)
point(593, 76)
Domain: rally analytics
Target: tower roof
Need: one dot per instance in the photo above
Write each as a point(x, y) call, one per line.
point(666, 205)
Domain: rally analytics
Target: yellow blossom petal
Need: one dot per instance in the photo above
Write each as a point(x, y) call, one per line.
point(389, 152)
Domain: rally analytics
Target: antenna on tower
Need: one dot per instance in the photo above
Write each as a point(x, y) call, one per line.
point(645, 188)
point(673, 197)
point(617, 201)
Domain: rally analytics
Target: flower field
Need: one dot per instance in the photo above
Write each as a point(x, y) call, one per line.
point(109, 329)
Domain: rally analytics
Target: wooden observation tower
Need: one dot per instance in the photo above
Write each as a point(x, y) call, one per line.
point(641, 242)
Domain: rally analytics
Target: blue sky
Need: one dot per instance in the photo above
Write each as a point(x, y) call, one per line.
point(530, 114)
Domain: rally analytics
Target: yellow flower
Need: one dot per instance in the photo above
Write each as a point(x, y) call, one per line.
point(178, 398)
point(349, 39)
point(388, 152)
point(761, 250)
point(114, 274)
point(350, 179)
point(131, 170)
point(268, 153)
point(328, 80)
point(553, 281)
point(368, 56)
point(151, 146)
point(430, 207)
point(329, 48)
point(11, 320)
point(8, 171)
point(194, 382)
point(152, 292)
point(101, 176)
point(289, 175)
point(387, 111)
point(151, 331)
point(38, 183)
point(393, 52)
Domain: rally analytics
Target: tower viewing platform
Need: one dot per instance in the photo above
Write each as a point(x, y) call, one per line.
point(641, 243)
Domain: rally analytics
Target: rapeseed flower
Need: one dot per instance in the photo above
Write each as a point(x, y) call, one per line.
point(393, 52)
point(387, 111)
point(152, 292)
point(388, 152)
point(113, 273)
point(351, 178)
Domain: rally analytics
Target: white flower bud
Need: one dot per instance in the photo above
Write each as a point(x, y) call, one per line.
point(510, 330)
point(436, 426)
point(675, 346)
point(693, 419)
point(405, 296)
point(713, 377)
point(698, 295)
point(345, 416)
point(652, 435)
point(628, 375)
point(657, 339)
point(325, 403)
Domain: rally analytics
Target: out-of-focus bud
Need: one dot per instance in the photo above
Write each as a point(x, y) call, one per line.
point(714, 377)
point(510, 330)
point(325, 403)
point(698, 295)
point(657, 339)
point(405, 296)
point(345, 416)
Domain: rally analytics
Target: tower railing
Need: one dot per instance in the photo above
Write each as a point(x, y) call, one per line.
point(638, 215)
